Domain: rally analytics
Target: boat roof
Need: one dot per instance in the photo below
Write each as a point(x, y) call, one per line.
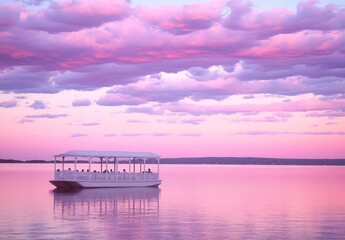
point(120, 154)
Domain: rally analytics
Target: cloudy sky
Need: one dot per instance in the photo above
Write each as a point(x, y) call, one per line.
point(180, 78)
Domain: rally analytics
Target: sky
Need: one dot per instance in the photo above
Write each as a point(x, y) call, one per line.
point(178, 78)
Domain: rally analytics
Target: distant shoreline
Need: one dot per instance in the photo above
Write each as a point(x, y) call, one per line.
point(221, 161)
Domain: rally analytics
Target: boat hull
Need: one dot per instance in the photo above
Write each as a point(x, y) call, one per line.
point(103, 184)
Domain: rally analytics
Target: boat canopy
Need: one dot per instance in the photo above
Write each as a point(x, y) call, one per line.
point(107, 154)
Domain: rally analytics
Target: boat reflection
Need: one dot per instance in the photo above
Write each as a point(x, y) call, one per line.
point(132, 203)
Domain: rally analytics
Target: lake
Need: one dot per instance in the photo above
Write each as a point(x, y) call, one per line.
point(193, 202)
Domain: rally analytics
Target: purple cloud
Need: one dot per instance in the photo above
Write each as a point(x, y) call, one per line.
point(8, 104)
point(190, 135)
point(185, 52)
point(110, 135)
point(26, 120)
point(90, 124)
point(75, 135)
point(9, 14)
point(81, 102)
point(133, 134)
point(329, 113)
point(193, 121)
point(119, 100)
point(161, 134)
point(38, 105)
point(263, 132)
point(145, 110)
point(136, 121)
point(73, 15)
point(47, 115)
point(307, 17)
point(33, 2)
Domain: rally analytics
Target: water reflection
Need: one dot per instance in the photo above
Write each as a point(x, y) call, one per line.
point(131, 203)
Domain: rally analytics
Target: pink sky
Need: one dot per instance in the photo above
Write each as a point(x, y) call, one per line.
point(180, 79)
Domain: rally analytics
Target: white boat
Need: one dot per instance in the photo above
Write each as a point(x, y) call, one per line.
point(96, 175)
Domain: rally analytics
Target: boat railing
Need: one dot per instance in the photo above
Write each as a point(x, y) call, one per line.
point(108, 176)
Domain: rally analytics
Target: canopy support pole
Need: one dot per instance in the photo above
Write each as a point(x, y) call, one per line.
point(101, 164)
point(134, 164)
point(158, 167)
point(144, 169)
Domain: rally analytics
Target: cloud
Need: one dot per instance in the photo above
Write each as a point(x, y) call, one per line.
point(27, 79)
point(73, 15)
point(218, 84)
point(328, 113)
point(26, 121)
point(75, 135)
point(144, 110)
point(136, 121)
point(175, 53)
point(261, 119)
point(190, 134)
point(38, 105)
point(110, 135)
point(33, 2)
point(119, 100)
point(308, 16)
point(133, 134)
point(81, 102)
point(9, 103)
point(307, 104)
point(161, 134)
point(47, 115)
point(193, 121)
point(263, 132)
point(9, 15)
point(90, 124)
point(181, 19)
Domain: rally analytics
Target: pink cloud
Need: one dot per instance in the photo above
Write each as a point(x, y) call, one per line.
point(181, 19)
point(106, 48)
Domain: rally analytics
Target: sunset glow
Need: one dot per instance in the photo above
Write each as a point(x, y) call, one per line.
point(180, 78)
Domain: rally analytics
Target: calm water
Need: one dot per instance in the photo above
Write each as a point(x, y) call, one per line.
point(193, 202)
